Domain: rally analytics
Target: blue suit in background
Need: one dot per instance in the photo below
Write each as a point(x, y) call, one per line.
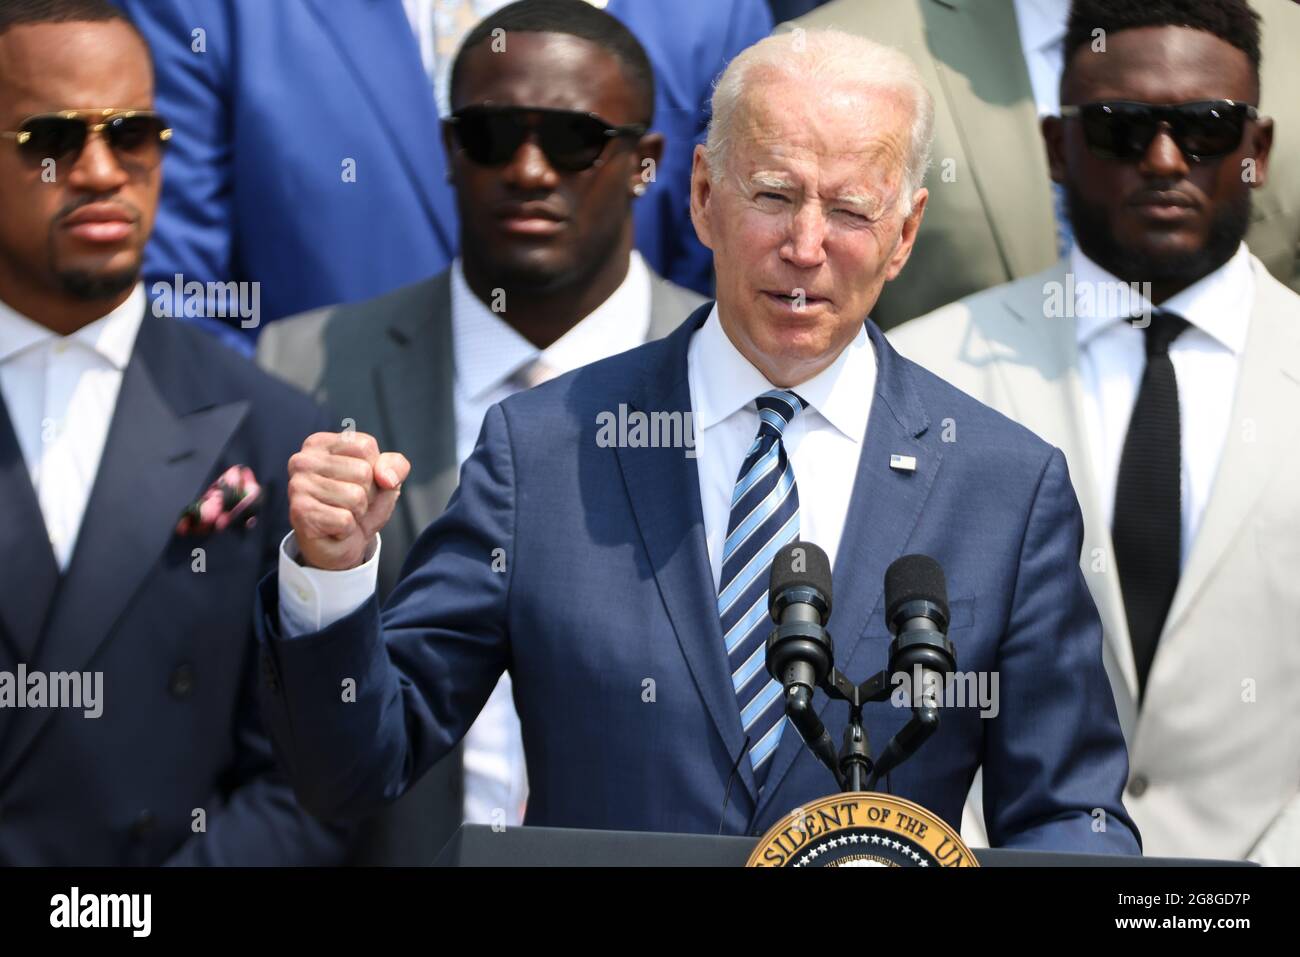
point(584, 570)
point(689, 43)
point(308, 155)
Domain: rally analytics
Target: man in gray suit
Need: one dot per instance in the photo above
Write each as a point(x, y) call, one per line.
point(994, 67)
point(1179, 427)
point(548, 150)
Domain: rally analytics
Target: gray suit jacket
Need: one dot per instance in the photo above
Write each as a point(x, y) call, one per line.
point(386, 366)
point(1215, 749)
point(989, 218)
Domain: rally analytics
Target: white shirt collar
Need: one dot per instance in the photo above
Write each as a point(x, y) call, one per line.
point(841, 393)
point(488, 351)
point(111, 336)
point(1218, 304)
point(1042, 23)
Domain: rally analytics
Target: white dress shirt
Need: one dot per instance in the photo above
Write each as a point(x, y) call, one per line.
point(489, 352)
point(60, 392)
point(823, 442)
point(1042, 26)
point(1206, 360)
point(490, 359)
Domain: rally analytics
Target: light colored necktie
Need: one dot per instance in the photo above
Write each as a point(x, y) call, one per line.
point(534, 373)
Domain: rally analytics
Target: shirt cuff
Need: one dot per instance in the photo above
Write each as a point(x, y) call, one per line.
point(312, 599)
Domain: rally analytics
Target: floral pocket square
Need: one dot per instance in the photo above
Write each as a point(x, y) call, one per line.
point(233, 499)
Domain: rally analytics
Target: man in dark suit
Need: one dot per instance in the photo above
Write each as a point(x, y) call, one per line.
point(547, 280)
point(129, 731)
point(623, 581)
point(311, 160)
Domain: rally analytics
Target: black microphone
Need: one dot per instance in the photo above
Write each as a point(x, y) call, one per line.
point(916, 603)
point(799, 650)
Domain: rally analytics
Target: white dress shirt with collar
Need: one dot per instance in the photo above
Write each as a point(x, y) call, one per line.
point(823, 442)
point(1042, 26)
point(490, 357)
point(1206, 360)
point(489, 352)
point(60, 392)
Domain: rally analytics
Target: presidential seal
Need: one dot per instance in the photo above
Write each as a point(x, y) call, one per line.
point(861, 829)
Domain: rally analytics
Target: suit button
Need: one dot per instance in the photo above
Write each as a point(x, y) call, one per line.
point(143, 825)
point(1137, 785)
point(182, 682)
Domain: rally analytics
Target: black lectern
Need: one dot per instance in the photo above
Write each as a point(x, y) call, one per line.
point(477, 845)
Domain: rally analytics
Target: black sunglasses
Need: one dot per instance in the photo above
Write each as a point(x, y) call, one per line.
point(1122, 130)
point(570, 140)
point(135, 135)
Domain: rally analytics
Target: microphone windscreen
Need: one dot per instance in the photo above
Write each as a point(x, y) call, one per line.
point(800, 564)
point(914, 577)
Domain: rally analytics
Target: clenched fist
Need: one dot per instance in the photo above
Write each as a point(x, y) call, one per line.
point(342, 490)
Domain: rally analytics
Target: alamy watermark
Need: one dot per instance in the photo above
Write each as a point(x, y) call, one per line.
point(959, 689)
point(1072, 299)
point(133, 912)
point(634, 429)
point(180, 299)
point(54, 689)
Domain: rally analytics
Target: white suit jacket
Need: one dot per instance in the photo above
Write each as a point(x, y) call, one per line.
point(1215, 750)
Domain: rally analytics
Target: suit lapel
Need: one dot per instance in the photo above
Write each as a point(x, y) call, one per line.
point(374, 38)
point(1263, 427)
point(983, 75)
point(156, 461)
point(664, 489)
point(413, 379)
point(1038, 363)
point(883, 510)
point(25, 544)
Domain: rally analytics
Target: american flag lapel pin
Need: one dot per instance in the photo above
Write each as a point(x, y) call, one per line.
point(902, 463)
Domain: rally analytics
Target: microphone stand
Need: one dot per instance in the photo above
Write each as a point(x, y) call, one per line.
point(853, 767)
point(801, 648)
point(855, 762)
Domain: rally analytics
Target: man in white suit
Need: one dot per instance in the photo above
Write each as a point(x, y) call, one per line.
point(1181, 429)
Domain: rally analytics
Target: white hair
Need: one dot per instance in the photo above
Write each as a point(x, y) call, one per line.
point(822, 58)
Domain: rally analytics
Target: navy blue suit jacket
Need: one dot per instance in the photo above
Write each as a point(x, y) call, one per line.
point(583, 569)
point(179, 728)
point(285, 91)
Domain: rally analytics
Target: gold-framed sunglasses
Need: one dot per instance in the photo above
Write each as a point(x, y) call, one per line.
point(137, 137)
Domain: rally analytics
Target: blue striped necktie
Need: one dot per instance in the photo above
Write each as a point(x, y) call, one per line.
point(764, 517)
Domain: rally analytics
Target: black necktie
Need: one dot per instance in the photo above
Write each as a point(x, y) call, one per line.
point(1147, 529)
